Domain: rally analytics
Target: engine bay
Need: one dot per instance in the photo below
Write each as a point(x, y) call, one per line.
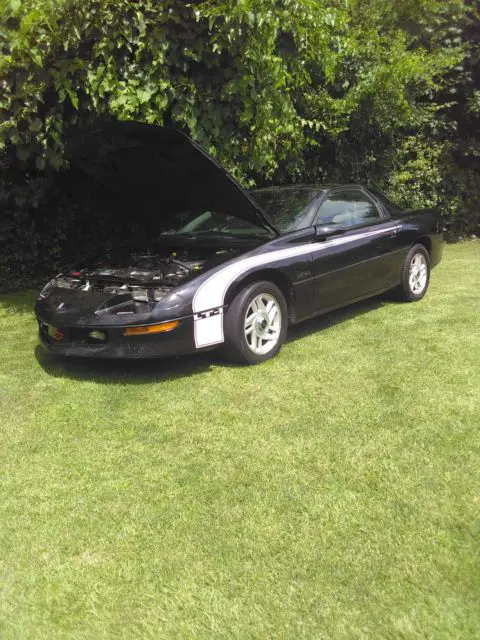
point(148, 278)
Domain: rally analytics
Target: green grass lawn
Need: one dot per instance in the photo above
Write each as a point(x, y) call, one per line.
point(333, 492)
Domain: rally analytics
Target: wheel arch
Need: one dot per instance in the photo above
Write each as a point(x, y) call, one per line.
point(426, 241)
point(274, 276)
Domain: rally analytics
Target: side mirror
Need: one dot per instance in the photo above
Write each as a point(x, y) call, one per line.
point(323, 231)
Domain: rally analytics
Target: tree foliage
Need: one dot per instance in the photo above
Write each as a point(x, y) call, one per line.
point(278, 90)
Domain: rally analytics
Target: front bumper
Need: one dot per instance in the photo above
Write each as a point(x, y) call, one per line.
point(76, 341)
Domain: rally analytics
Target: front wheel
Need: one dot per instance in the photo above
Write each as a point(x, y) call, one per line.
point(415, 274)
point(256, 324)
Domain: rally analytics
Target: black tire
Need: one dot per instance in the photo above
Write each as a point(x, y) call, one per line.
point(406, 292)
point(237, 347)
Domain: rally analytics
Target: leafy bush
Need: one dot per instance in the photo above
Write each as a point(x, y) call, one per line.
point(282, 91)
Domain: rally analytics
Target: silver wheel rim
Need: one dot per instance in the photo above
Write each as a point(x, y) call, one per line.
point(263, 322)
point(418, 273)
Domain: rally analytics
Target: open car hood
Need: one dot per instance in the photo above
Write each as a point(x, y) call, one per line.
point(157, 171)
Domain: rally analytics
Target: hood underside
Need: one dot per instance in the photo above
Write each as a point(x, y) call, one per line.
point(159, 171)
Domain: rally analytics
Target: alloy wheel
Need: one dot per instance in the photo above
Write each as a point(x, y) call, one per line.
point(263, 322)
point(418, 274)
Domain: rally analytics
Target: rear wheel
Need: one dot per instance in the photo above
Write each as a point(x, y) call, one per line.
point(415, 274)
point(256, 324)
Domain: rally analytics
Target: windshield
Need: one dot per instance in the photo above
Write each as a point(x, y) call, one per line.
point(289, 209)
point(211, 223)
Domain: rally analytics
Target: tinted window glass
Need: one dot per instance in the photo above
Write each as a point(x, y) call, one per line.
point(289, 209)
point(388, 204)
point(347, 208)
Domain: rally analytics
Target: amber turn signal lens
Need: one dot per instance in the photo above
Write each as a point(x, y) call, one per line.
point(151, 328)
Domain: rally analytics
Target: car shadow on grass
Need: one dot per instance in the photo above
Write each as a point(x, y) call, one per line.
point(159, 369)
point(123, 371)
point(338, 316)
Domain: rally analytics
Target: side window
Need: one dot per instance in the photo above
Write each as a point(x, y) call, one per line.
point(348, 209)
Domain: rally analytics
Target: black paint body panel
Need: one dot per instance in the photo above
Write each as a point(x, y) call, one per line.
point(313, 283)
point(315, 274)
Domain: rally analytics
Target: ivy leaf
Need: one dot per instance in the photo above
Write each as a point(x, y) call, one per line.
point(37, 57)
point(72, 95)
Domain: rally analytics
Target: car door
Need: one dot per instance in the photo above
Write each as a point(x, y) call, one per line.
point(356, 262)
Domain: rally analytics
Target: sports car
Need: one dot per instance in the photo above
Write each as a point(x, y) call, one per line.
point(226, 267)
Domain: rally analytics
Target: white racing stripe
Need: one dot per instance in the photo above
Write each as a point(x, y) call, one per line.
point(211, 294)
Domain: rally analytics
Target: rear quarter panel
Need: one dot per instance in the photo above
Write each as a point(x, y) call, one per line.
point(420, 226)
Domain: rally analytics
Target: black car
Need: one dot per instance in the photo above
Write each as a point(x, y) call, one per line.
point(229, 268)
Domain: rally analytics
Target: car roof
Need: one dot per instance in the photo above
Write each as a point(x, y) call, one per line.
point(321, 186)
point(325, 187)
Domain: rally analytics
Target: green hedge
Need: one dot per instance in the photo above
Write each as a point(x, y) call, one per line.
point(278, 91)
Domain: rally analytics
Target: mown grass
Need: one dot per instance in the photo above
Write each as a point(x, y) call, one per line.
point(332, 492)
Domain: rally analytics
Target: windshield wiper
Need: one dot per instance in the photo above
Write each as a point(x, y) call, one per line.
point(192, 236)
point(226, 234)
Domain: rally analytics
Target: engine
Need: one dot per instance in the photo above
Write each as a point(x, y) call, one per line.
point(138, 287)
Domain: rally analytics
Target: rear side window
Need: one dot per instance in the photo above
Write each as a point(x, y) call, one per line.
point(388, 204)
point(348, 208)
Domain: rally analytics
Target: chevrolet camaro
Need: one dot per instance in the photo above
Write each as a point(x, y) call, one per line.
point(226, 267)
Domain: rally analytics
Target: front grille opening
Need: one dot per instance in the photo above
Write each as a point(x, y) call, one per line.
point(73, 335)
point(96, 337)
